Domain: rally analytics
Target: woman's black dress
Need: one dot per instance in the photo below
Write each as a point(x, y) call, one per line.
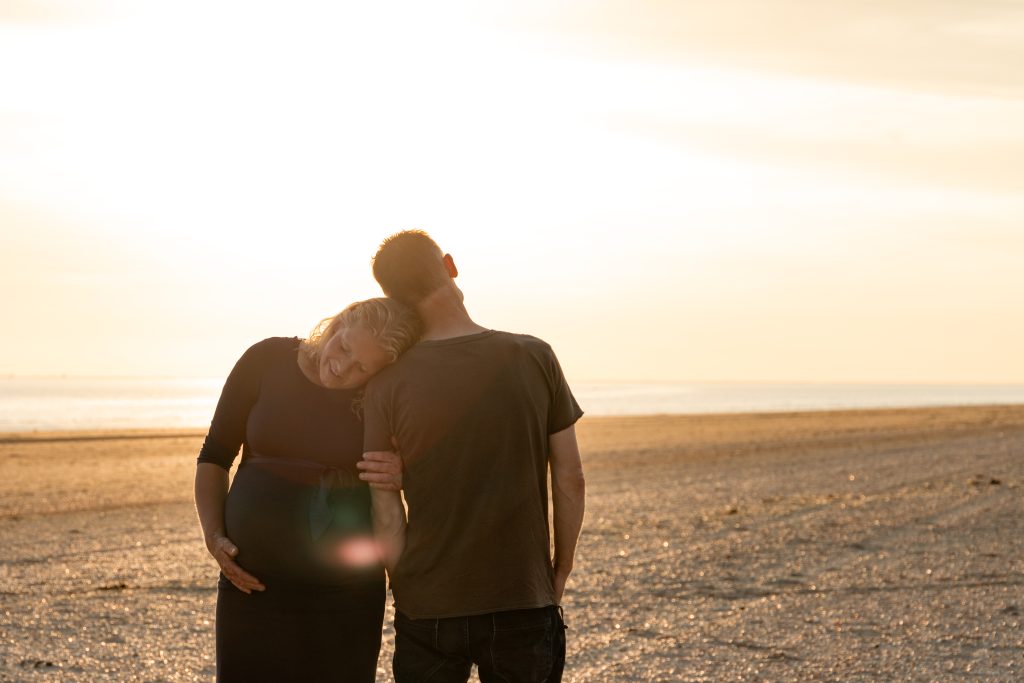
point(301, 520)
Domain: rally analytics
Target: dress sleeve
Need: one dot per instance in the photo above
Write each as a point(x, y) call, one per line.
point(242, 388)
point(564, 411)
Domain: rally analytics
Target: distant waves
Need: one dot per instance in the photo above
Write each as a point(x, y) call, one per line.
point(107, 403)
point(732, 397)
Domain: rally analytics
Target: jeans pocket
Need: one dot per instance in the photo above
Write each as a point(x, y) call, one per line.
point(415, 657)
point(525, 652)
point(557, 646)
point(430, 650)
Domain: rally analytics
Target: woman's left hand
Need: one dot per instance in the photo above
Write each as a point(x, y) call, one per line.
point(382, 470)
point(225, 552)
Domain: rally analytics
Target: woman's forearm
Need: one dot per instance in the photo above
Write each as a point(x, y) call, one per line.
point(211, 492)
point(388, 525)
point(211, 489)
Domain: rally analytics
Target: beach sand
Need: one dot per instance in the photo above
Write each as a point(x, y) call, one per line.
point(849, 546)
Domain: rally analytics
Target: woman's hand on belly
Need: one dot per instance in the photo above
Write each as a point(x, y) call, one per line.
point(224, 551)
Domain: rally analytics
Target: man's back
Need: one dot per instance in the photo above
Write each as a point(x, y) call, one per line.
point(472, 416)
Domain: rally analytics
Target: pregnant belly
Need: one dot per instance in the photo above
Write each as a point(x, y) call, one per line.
point(268, 517)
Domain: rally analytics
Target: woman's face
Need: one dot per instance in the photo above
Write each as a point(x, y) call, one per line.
point(350, 358)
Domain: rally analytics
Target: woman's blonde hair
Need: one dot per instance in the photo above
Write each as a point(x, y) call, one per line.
point(395, 327)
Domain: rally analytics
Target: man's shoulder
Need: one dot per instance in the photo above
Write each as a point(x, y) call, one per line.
point(411, 363)
point(525, 341)
point(389, 375)
point(505, 343)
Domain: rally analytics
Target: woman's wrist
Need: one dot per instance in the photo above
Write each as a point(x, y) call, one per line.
point(212, 538)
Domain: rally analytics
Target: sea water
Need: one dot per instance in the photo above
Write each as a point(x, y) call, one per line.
point(58, 403)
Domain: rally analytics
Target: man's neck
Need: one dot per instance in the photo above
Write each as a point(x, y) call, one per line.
point(445, 317)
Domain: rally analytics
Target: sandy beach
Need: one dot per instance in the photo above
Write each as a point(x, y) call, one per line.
point(842, 546)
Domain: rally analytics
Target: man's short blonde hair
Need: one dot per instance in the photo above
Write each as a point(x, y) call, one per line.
point(409, 266)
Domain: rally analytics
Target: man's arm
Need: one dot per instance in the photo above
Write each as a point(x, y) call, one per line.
point(568, 490)
point(383, 471)
point(388, 525)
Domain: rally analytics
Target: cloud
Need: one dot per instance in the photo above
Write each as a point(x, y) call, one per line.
point(50, 11)
point(987, 166)
point(975, 47)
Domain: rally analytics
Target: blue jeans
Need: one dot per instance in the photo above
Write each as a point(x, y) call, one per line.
point(518, 646)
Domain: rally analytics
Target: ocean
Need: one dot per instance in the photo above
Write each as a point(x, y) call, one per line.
point(68, 403)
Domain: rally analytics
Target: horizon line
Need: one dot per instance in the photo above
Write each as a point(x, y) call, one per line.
point(666, 382)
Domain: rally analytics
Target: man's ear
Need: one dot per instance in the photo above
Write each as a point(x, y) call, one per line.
point(449, 265)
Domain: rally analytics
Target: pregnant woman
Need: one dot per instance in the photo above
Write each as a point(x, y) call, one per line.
point(301, 591)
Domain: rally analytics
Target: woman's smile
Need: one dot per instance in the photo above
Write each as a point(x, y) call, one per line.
point(350, 358)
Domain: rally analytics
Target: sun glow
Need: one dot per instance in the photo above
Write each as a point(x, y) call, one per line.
point(181, 180)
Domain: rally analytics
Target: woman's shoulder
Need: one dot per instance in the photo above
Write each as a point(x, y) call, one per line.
point(271, 344)
point(268, 350)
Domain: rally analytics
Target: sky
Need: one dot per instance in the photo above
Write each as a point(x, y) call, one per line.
point(745, 190)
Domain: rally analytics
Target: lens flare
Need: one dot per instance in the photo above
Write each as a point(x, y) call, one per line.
point(359, 551)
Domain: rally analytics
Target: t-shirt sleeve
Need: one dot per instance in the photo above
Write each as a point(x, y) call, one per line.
point(241, 389)
point(564, 411)
point(377, 428)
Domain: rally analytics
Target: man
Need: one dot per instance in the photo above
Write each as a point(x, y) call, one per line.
point(479, 417)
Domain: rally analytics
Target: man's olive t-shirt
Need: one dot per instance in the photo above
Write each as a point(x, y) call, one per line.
point(472, 416)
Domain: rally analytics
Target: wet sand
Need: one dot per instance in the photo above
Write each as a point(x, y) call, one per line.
point(847, 546)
